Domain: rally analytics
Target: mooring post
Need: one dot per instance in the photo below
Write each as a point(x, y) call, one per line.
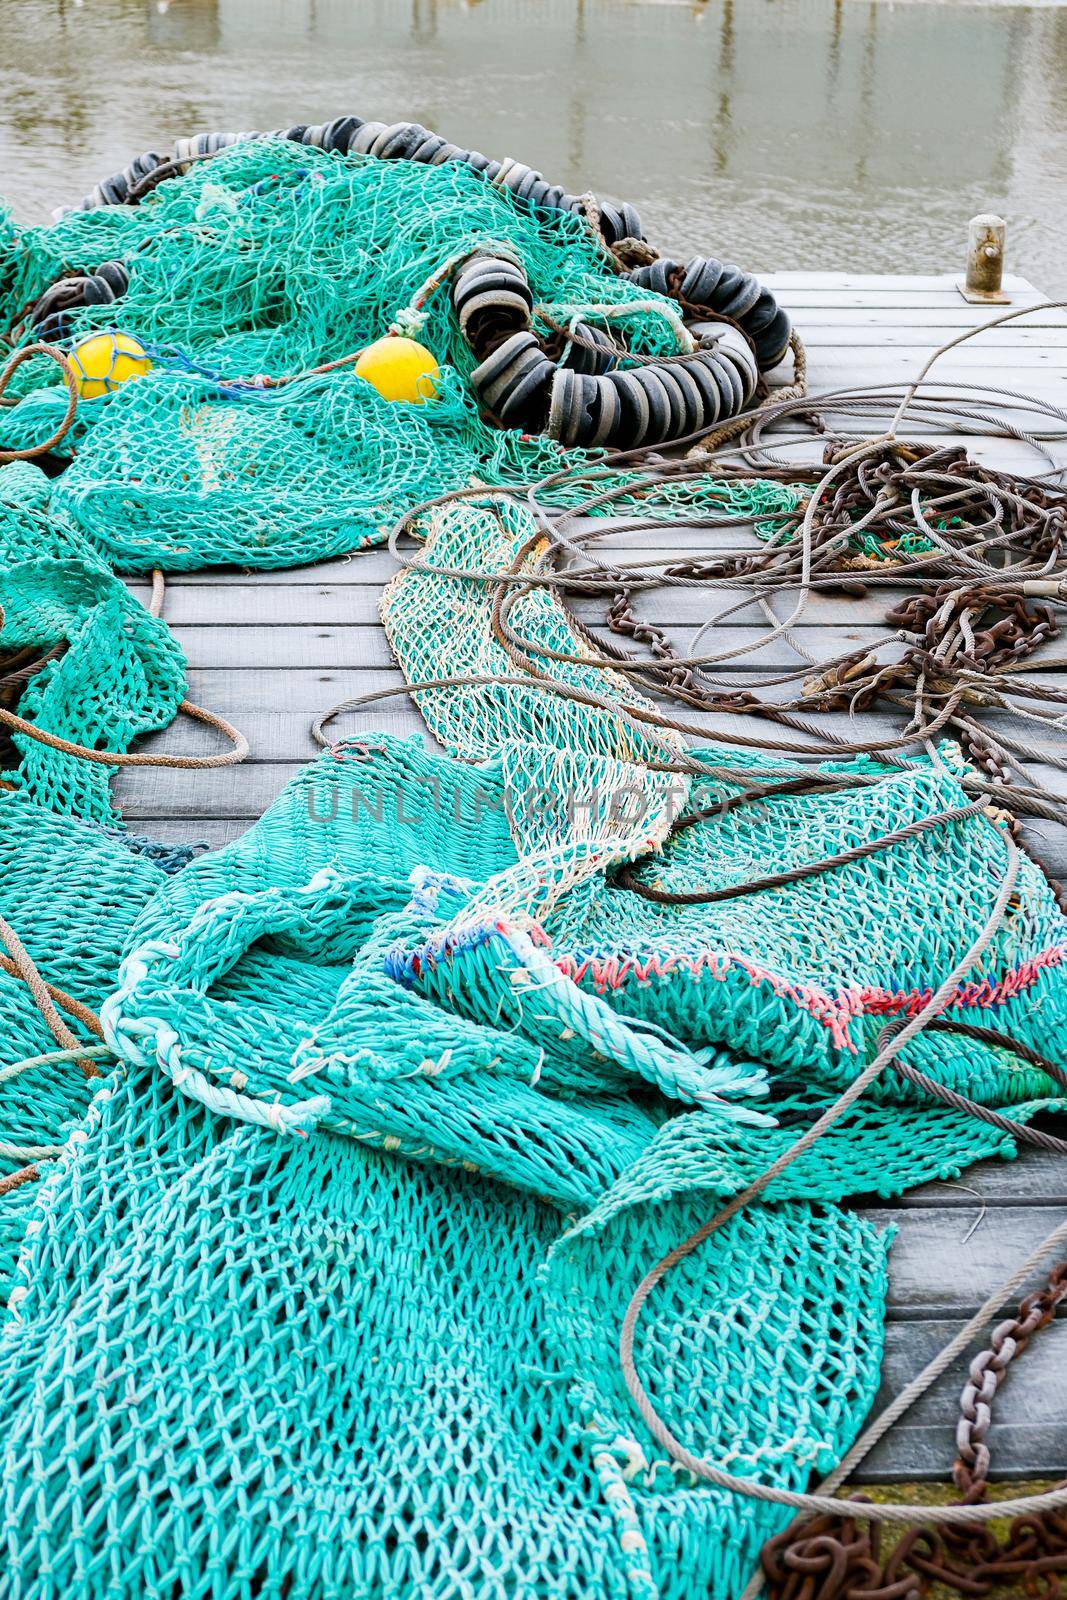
point(985, 261)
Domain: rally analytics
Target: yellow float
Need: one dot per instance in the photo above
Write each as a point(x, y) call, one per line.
point(103, 362)
point(400, 369)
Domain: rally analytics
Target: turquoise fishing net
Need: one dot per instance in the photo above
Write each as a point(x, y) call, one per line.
point(806, 976)
point(378, 1176)
point(264, 1437)
point(270, 260)
point(387, 1360)
point(442, 627)
point(27, 532)
point(181, 475)
point(111, 671)
point(274, 257)
point(406, 1092)
point(73, 894)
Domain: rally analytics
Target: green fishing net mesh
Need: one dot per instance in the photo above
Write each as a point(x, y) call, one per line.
point(374, 1316)
point(361, 1091)
point(82, 658)
point(73, 894)
point(360, 1095)
point(269, 260)
point(806, 976)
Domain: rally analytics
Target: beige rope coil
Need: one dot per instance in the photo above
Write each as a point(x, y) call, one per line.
point(123, 758)
point(69, 378)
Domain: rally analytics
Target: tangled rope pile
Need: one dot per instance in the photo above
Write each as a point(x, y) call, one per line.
point(974, 560)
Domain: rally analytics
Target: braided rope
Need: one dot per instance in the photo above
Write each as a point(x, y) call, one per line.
point(124, 758)
point(24, 967)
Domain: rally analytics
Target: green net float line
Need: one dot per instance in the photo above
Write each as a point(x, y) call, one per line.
point(591, 402)
point(722, 289)
point(351, 135)
point(108, 283)
point(727, 292)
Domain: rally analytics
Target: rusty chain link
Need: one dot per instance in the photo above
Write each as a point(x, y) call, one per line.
point(841, 1558)
point(973, 612)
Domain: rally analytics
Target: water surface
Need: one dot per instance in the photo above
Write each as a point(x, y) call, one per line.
point(835, 134)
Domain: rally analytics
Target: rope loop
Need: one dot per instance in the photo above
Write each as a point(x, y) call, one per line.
point(14, 362)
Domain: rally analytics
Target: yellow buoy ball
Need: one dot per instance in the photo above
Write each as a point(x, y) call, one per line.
point(102, 362)
point(399, 369)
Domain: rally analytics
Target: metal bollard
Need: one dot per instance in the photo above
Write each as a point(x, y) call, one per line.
point(985, 262)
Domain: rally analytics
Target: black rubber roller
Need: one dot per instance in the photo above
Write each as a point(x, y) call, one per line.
point(607, 413)
point(711, 392)
point(564, 409)
point(487, 318)
point(574, 407)
point(492, 299)
point(49, 316)
point(660, 407)
point(496, 365)
point(114, 190)
point(338, 134)
point(657, 275)
point(398, 141)
point(95, 292)
point(773, 342)
point(115, 276)
point(619, 221)
point(209, 144)
point(524, 401)
point(513, 383)
point(585, 410)
point(728, 372)
point(693, 409)
point(612, 227)
point(724, 291)
point(427, 152)
point(632, 226)
point(483, 274)
point(762, 314)
point(519, 179)
point(726, 355)
point(519, 396)
point(732, 345)
point(140, 169)
point(632, 426)
point(364, 137)
point(679, 424)
point(591, 350)
point(726, 380)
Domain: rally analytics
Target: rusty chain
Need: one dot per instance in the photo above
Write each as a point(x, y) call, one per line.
point(969, 619)
point(841, 1558)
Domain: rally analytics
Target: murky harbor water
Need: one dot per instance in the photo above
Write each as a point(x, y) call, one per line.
point(836, 134)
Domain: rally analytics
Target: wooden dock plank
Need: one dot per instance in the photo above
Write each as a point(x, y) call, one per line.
point(269, 649)
point(198, 614)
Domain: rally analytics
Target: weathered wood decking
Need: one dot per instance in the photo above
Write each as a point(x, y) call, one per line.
point(268, 650)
